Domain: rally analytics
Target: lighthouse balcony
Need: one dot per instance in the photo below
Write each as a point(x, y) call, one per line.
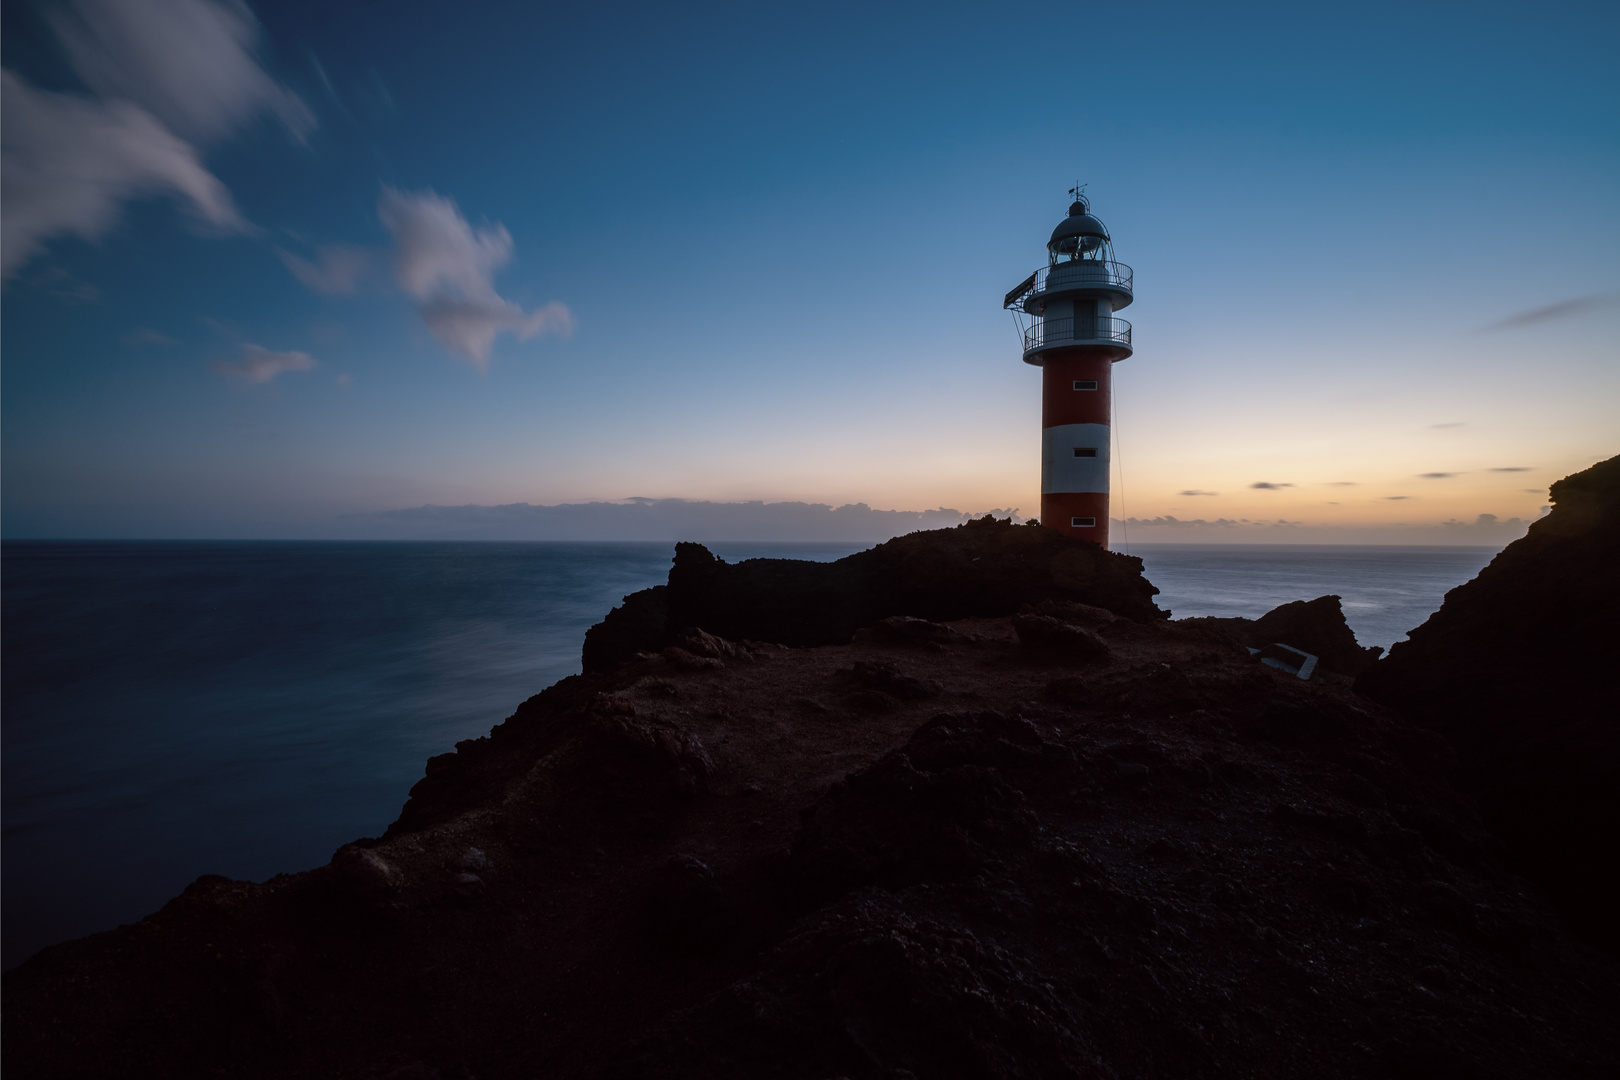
point(1077, 276)
point(1113, 334)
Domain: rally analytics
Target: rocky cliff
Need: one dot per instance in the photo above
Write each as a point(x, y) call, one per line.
point(986, 567)
point(1520, 671)
point(1067, 839)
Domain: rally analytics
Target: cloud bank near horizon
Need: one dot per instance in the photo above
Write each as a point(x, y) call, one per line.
point(656, 519)
point(669, 520)
point(1484, 530)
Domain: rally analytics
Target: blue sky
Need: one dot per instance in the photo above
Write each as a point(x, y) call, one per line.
point(315, 262)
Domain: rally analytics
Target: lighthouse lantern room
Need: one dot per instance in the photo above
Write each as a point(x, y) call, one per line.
point(1065, 314)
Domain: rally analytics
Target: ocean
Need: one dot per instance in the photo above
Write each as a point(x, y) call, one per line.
point(172, 709)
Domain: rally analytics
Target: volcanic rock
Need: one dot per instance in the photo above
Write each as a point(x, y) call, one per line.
point(910, 631)
point(1520, 670)
point(984, 568)
point(1175, 862)
point(1050, 638)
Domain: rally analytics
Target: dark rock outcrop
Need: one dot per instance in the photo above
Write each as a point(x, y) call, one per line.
point(1314, 626)
point(1317, 626)
point(984, 568)
point(1520, 670)
point(640, 624)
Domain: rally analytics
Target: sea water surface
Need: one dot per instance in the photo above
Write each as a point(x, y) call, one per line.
point(174, 709)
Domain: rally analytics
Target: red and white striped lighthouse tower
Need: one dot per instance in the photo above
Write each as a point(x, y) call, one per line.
point(1073, 337)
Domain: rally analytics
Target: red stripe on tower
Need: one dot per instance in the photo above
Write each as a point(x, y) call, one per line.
point(1074, 338)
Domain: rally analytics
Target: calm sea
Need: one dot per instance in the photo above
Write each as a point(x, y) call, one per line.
point(174, 709)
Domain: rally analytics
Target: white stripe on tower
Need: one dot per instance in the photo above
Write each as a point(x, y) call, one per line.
point(1074, 459)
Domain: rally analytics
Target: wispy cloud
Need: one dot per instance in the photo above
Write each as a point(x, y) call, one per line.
point(1513, 468)
point(70, 163)
point(1267, 485)
point(1194, 492)
point(1561, 310)
point(336, 269)
point(1437, 475)
point(448, 267)
point(167, 75)
point(1396, 498)
point(190, 63)
point(260, 365)
point(61, 285)
point(1340, 483)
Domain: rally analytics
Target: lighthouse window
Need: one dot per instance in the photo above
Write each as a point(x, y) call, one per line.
point(1085, 451)
point(1083, 523)
point(1085, 384)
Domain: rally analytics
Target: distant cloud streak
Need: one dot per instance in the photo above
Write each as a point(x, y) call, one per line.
point(1437, 475)
point(1514, 468)
point(1486, 529)
point(260, 365)
point(448, 267)
point(1266, 485)
point(1562, 310)
point(1396, 498)
point(1191, 492)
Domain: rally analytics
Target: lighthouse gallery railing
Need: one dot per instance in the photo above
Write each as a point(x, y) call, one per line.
point(1076, 273)
point(1077, 331)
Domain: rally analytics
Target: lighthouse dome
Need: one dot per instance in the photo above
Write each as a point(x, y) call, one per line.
point(1078, 224)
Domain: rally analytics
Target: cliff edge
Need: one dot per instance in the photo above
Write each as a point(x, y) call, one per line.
point(1520, 671)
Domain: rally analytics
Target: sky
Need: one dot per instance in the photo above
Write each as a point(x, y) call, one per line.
point(302, 270)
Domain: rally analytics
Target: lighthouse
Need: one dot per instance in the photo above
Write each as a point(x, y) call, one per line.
point(1065, 315)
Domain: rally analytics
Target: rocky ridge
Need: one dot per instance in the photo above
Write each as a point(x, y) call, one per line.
point(1520, 671)
point(1064, 836)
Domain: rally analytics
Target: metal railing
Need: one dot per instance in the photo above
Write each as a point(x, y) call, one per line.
point(1085, 330)
point(1075, 274)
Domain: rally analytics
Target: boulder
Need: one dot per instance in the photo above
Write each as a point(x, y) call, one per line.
point(1047, 638)
point(905, 630)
